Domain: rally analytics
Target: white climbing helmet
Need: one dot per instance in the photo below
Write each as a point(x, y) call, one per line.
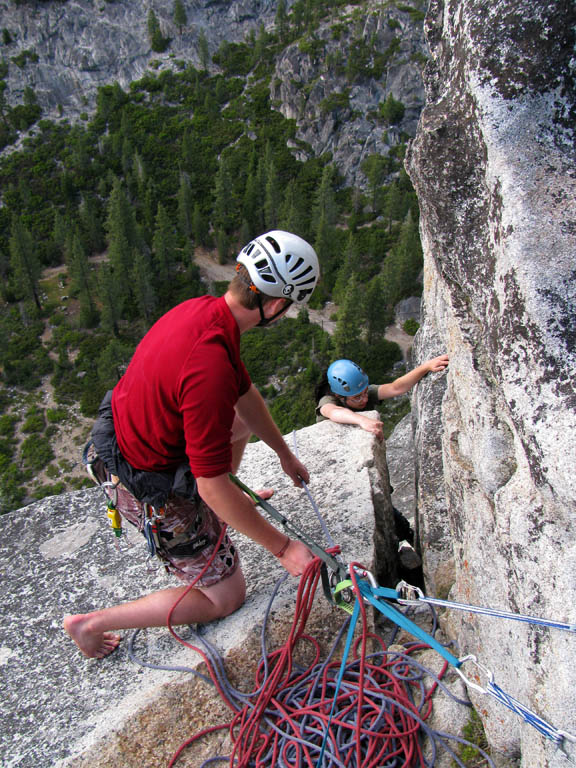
point(281, 265)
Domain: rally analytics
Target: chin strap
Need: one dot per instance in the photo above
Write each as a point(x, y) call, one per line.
point(264, 321)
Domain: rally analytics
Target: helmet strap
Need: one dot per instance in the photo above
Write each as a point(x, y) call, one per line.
point(264, 321)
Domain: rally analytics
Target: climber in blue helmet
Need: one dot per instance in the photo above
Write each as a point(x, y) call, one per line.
point(345, 392)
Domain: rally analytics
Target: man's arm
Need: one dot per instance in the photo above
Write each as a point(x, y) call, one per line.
point(252, 409)
point(406, 382)
point(238, 511)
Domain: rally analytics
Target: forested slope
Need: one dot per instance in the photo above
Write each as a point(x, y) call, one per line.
point(100, 220)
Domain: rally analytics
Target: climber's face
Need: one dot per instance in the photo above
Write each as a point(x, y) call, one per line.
point(358, 401)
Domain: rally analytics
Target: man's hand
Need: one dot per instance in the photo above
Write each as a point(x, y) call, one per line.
point(294, 468)
point(296, 558)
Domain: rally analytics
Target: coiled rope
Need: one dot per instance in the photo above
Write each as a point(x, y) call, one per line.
point(379, 709)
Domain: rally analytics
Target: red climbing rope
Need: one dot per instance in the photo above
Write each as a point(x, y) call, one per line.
point(377, 714)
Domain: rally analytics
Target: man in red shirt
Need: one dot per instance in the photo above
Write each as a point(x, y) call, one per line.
point(173, 429)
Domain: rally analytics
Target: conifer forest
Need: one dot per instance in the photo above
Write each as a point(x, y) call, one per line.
point(100, 221)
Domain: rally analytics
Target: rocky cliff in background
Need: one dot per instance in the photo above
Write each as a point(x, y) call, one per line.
point(66, 51)
point(307, 87)
point(494, 167)
point(80, 45)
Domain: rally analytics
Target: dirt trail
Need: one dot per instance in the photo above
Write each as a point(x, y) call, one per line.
point(403, 339)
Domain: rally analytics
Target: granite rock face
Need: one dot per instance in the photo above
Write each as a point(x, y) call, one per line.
point(58, 556)
point(80, 45)
point(337, 114)
point(66, 51)
point(494, 167)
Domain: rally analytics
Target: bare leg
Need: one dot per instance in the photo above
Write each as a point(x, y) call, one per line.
point(92, 631)
point(240, 436)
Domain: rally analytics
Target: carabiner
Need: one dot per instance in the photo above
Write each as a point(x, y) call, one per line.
point(364, 574)
point(410, 595)
point(481, 667)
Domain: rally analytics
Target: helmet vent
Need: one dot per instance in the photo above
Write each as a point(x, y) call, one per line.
point(294, 267)
point(264, 271)
point(274, 244)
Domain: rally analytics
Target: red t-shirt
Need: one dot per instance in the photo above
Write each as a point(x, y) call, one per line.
point(177, 397)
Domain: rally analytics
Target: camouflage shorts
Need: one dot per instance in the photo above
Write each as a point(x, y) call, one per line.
point(187, 532)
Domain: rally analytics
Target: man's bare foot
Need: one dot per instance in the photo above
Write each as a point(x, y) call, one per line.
point(266, 493)
point(93, 644)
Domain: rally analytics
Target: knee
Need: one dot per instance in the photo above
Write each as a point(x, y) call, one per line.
point(228, 595)
point(233, 602)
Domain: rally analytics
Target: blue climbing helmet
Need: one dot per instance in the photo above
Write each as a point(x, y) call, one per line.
point(346, 378)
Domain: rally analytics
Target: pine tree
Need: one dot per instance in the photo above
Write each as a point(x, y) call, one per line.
point(326, 245)
point(179, 15)
point(164, 244)
point(4, 271)
point(111, 363)
point(158, 42)
point(150, 204)
point(291, 217)
point(404, 261)
point(24, 261)
point(223, 198)
point(144, 290)
point(377, 313)
point(376, 168)
point(348, 267)
point(199, 226)
point(392, 111)
point(61, 229)
point(245, 233)
point(222, 244)
point(252, 201)
point(203, 51)
point(109, 296)
point(347, 340)
point(185, 205)
point(273, 196)
point(92, 231)
point(394, 205)
point(123, 237)
point(324, 200)
point(81, 279)
point(281, 21)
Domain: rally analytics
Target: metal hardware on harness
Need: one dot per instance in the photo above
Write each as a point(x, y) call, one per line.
point(338, 570)
point(151, 517)
point(115, 518)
